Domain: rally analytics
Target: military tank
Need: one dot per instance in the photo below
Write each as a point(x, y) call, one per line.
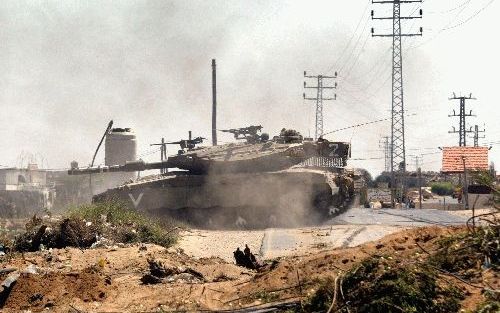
point(260, 182)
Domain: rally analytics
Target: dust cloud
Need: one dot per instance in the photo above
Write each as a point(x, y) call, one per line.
point(70, 67)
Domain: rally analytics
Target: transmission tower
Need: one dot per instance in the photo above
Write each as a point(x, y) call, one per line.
point(462, 132)
point(386, 145)
point(319, 99)
point(476, 135)
point(398, 152)
point(418, 160)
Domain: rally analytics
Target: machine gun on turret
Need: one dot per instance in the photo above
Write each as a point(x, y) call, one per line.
point(251, 133)
point(187, 144)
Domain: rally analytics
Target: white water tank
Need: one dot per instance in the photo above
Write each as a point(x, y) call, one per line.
point(120, 146)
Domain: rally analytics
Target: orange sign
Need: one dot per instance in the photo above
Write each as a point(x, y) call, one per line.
point(476, 159)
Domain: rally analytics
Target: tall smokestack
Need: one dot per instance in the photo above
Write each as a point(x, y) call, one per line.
point(214, 103)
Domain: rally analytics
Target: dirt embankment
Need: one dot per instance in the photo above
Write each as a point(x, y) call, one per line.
point(108, 279)
point(53, 289)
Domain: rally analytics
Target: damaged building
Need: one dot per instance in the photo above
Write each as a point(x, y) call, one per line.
point(24, 191)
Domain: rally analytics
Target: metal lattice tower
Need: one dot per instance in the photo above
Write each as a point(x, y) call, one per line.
point(476, 135)
point(319, 100)
point(385, 144)
point(398, 152)
point(462, 132)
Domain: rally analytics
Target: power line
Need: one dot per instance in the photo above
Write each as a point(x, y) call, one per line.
point(451, 10)
point(365, 159)
point(341, 69)
point(362, 124)
point(471, 17)
point(335, 64)
point(448, 27)
point(380, 65)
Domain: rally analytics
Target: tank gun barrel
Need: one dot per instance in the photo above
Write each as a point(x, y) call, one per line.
point(134, 166)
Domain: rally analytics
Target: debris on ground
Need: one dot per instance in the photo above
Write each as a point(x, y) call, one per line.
point(92, 226)
point(159, 273)
point(394, 269)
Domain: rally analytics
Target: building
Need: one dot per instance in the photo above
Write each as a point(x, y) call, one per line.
point(24, 191)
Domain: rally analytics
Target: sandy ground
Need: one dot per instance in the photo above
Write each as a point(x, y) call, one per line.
point(274, 243)
point(354, 227)
point(109, 279)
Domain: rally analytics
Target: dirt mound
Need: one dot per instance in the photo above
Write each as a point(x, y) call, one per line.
point(300, 277)
point(39, 291)
point(226, 286)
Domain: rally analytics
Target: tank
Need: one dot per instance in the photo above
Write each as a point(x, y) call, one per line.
point(261, 182)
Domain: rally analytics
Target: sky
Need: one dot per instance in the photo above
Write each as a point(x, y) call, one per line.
point(68, 67)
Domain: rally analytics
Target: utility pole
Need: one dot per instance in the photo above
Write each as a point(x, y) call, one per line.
point(476, 135)
point(462, 132)
point(398, 152)
point(387, 153)
point(214, 103)
point(465, 187)
point(319, 99)
point(419, 171)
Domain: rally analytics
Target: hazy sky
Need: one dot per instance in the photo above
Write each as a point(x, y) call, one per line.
point(68, 67)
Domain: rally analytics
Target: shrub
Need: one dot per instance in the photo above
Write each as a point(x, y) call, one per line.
point(491, 304)
point(117, 222)
point(443, 189)
point(382, 285)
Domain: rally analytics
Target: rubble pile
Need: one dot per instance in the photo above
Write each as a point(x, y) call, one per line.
point(41, 234)
point(92, 226)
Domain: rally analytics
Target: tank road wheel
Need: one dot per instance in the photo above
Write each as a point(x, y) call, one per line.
point(323, 203)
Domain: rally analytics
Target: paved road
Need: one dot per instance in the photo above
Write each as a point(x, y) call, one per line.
point(400, 217)
point(351, 228)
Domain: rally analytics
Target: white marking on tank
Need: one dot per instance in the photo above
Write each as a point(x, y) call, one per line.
point(240, 222)
point(136, 201)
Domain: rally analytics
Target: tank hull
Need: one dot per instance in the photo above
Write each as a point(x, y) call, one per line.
point(285, 198)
